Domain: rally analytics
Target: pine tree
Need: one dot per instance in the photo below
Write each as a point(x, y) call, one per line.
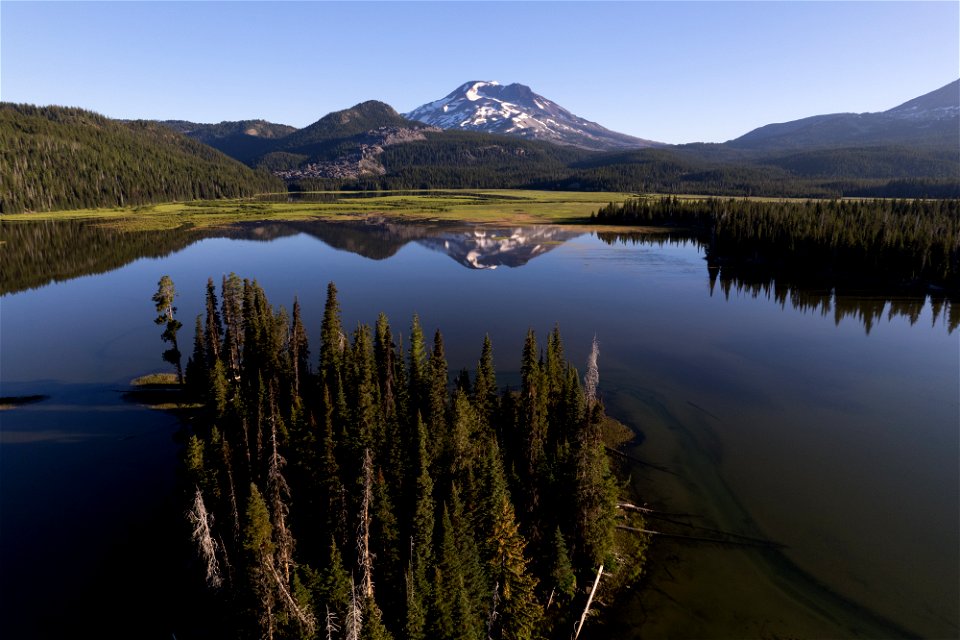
point(520, 614)
point(485, 386)
point(336, 587)
point(299, 349)
point(213, 329)
point(417, 378)
point(197, 372)
point(532, 423)
point(258, 543)
point(596, 493)
point(437, 380)
point(562, 575)
point(163, 300)
point(332, 342)
point(232, 301)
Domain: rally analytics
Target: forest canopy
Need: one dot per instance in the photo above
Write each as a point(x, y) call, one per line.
point(362, 494)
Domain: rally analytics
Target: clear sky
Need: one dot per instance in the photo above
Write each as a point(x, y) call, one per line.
point(674, 72)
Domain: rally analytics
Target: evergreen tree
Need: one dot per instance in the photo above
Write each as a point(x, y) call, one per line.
point(485, 386)
point(163, 300)
point(562, 574)
point(596, 493)
point(520, 614)
point(299, 349)
point(258, 543)
point(418, 376)
point(213, 328)
point(437, 380)
point(197, 372)
point(232, 301)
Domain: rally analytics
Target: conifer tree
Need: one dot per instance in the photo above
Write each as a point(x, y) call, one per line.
point(596, 492)
point(532, 423)
point(421, 542)
point(332, 342)
point(163, 300)
point(437, 399)
point(562, 574)
point(335, 585)
point(417, 378)
point(520, 612)
point(485, 386)
point(197, 373)
point(299, 349)
point(258, 543)
point(213, 328)
point(232, 302)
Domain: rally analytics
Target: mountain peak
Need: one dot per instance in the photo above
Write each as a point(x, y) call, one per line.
point(514, 109)
point(940, 103)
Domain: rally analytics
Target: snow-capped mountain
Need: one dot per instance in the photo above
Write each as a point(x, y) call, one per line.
point(514, 109)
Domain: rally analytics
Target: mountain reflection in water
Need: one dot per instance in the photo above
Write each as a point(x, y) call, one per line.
point(34, 254)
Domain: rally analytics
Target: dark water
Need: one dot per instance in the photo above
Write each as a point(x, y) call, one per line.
point(826, 423)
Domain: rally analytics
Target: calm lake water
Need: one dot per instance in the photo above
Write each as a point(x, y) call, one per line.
point(828, 424)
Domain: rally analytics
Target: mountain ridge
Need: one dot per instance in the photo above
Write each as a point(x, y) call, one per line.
point(932, 119)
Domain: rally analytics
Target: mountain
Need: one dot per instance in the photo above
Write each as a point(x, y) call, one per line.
point(244, 140)
point(516, 110)
point(931, 120)
point(66, 158)
point(356, 120)
point(344, 144)
point(908, 151)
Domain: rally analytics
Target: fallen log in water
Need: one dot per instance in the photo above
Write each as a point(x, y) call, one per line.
point(747, 542)
point(639, 461)
point(654, 513)
point(669, 518)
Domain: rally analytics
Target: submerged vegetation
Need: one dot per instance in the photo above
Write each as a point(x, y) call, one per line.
point(368, 497)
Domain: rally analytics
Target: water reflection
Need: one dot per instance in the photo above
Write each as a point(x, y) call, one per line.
point(866, 302)
point(34, 254)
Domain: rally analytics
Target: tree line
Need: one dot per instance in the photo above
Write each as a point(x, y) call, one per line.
point(469, 160)
point(54, 158)
point(910, 244)
point(362, 494)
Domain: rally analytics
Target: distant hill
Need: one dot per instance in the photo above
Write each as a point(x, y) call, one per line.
point(515, 110)
point(66, 158)
point(244, 140)
point(931, 120)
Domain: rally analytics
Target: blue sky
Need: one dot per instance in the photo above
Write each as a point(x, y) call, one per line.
point(675, 72)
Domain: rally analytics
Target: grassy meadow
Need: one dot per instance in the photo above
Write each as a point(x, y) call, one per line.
point(480, 206)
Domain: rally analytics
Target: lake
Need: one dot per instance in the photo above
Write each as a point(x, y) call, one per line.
point(824, 421)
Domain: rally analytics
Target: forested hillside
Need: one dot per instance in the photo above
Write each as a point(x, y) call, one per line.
point(245, 140)
point(484, 161)
point(366, 497)
point(65, 158)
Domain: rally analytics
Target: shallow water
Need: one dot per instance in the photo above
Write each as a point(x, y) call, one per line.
point(832, 431)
